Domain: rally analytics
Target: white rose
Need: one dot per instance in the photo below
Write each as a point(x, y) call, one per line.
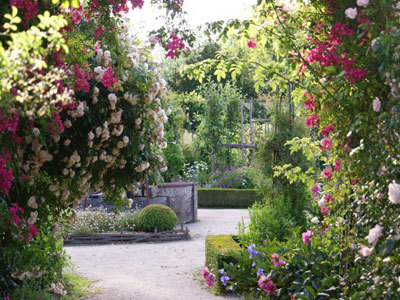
point(322, 202)
point(125, 139)
point(67, 123)
point(90, 135)
point(374, 234)
point(33, 217)
point(394, 192)
point(376, 104)
point(315, 220)
point(32, 202)
point(363, 3)
point(138, 121)
point(36, 131)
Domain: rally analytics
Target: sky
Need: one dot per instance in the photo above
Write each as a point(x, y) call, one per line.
point(199, 12)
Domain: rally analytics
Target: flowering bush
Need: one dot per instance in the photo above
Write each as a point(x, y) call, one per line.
point(237, 178)
point(86, 115)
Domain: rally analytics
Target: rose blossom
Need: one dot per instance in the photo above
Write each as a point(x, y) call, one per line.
point(374, 234)
point(363, 3)
point(351, 13)
point(376, 104)
point(365, 251)
point(394, 192)
point(315, 220)
point(306, 236)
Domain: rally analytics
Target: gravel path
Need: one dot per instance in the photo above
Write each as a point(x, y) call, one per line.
point(156, 271)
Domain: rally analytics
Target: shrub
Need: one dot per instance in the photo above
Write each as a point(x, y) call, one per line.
point(219, 250)
point(237, 178)
point(271, 220)
point(227, 198)
point(157, 217)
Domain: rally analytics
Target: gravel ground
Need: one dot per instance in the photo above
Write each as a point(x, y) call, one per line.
point(156, 271)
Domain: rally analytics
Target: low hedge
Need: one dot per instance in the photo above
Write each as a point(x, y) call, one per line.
point(227, 198)
point(218, 249)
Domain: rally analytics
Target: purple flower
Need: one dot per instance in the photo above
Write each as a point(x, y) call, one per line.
point(260, 272)
point(222, 271)
point(224, 280)
point(230, 288)
point(252, 251)
point(253, 264)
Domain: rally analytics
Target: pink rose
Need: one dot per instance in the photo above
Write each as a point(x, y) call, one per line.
point(306, 236)
point(376, 104)
point(365, 251)
point(394, 192)
point(363, 3)
point(351, 13)
point(374, 234)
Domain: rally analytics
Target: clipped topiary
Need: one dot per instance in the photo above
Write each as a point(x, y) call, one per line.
point(157, 216)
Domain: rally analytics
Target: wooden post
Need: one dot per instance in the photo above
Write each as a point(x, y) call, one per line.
point(241, 124)
point(212, 158)
point(251, 131)
point(290, 102)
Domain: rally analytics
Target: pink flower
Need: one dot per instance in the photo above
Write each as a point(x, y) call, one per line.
point(208, 277)
point(327, 173)
point(394, 192)
point(276, 261)
point(99, 32)
point(337, 165)
point(137, 3)
point(374, 234)
point(251, 43)
point(324, 210)
point(363, 3)
point(326, 144)
point(376, 104)
point(351, 13)
point(325, 131)
point(154, 39)
point(108, 79)
point(81, 80)
point(6, 176)
point(266, 284)
point(306, 236)
point(365, 251)
point(312, 121)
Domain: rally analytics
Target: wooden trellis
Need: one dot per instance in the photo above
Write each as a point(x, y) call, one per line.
point(265, 121)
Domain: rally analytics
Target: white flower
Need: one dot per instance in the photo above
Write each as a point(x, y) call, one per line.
point(394, 192)
point(98, 130)
point(376, 104)
point(125, 139)
point(32, 202)
point(363, 3)
point(120, 145)
point(36, 131)
point(168, 111)
point(315, 220)
point(351, 13)
point(33, 217)
point(67, 123)
point(90, 135)
point(374, 234)
point(138, 121)
point(322, 202)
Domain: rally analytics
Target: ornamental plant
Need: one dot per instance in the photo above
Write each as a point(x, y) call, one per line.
point(80, 109)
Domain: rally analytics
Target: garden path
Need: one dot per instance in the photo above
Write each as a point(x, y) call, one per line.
point(156, 271)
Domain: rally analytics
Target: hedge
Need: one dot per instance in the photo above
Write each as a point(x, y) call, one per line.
point(227, 198)
point(218, 248)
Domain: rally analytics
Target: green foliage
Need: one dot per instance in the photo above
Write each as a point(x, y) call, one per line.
point(235, 178)
point(268, 221)
point(157, 217)
point(227, 198)
point(274, 153)
point(308, 271)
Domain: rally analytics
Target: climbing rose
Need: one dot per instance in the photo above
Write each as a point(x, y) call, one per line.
point(374, 234)
point(251, 43)
point(108, 79)
point(351, 13)
point(267, 285)
point(306, 236)
point(363, 3)
point(376, 104)
point(324, 210)
point(365, 251)
point(394, 192)
point(327, 173)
